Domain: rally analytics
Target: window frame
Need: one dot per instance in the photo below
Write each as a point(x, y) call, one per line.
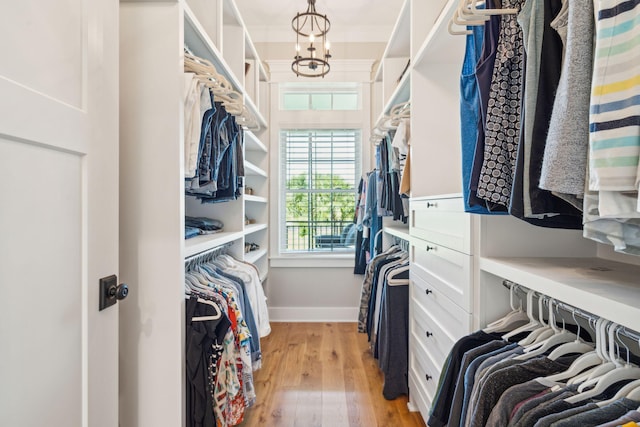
point(311, 254)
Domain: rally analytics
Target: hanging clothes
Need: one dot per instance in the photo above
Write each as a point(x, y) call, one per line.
point(226, 315)
point(384, 317)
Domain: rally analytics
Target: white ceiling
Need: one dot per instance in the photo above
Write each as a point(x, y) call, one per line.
point(352, 21)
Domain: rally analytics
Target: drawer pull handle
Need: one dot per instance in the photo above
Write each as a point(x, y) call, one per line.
point(428, 377)
point(429, 334)
point(431, 248)
point(428, 291)
point(432, 205)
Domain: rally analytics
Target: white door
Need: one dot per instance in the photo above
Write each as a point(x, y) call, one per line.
point(58, 212)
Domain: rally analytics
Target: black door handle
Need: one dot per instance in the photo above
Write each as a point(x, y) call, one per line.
point(111, 292)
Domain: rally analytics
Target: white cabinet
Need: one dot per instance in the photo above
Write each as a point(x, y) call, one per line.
point(441, 290)
point(153, 204)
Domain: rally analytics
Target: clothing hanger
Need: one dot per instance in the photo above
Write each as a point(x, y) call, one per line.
point(620, 372)
point(626, 391)
point(541, 333)
point(577, 346)
point(601, 351)
point(205, 318)
point(533, 323)
point(511, 319)
point(559, 337)
point(391, 281)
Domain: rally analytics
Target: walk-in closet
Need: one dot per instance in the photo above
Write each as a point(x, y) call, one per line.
point(393, 213)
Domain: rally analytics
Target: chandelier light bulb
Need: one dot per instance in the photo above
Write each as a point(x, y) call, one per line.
point(312, 38)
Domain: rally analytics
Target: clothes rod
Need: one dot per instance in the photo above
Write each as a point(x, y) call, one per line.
point(208, 254)
point(574, 310)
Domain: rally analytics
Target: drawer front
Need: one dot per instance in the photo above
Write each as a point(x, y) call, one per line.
point(425, 372)
point(417, 397)
point(429, 332)
point(442, 221)
point(451, 318)
point(448, 270)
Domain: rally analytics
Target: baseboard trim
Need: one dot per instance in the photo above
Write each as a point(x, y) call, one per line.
point(313, 314)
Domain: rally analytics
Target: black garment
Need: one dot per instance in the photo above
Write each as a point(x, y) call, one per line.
point(439, 415)
point(499, 381)
point(374, 290)
point(543, 201)
point(455, 414)
point(201, 338)
point(515, 394)
point(534, 403)
point(393, 339)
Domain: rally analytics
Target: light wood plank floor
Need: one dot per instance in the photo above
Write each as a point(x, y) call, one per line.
point(322, 374)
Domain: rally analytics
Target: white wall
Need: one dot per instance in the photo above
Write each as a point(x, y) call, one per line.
point(311, 288)
point(313, 294)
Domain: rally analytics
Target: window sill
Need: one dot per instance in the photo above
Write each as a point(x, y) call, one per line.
point(312, 261)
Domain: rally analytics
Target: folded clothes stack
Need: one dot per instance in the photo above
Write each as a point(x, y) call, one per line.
point(195, 226)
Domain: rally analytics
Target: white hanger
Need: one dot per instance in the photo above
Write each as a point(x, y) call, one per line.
point(577, 346)
point(205, 318)
point(533, 322)
point(397, 282)
point(619, 373)
point(541, 333)
point(560, 337)
point(583, 362)
point(605, 365)
point(632, 387)
point(634, 394)
point(511, 319)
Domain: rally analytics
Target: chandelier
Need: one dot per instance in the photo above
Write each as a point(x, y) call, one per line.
point(311, 28)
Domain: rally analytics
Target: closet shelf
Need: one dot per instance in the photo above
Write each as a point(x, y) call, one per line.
point(198, 244)
point(400, 231)
point(251, 169)
point(399, 44)
point(252, 228)
point(437, 47)
point(256, 199)
point(605, 288)
point(253, 143)
point(196, 37)
point(253, 256)
point(401, 94)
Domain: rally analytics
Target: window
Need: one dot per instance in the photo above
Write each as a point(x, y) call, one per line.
point(320, 96)
point(320, 172)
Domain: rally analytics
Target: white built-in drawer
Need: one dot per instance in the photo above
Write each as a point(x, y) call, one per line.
point(455, 321)
point(442, 221)
point(430, 333)
point(448, 270)
point(417, 397)
point(425, 372)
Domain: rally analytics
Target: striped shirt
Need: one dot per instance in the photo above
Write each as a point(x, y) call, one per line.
point(614, 120)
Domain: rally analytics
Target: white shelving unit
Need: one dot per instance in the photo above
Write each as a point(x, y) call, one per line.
point(392, 81)
point(153, 203)
point(559, 263)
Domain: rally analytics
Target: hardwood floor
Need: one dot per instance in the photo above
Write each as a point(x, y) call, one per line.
point(322, 374)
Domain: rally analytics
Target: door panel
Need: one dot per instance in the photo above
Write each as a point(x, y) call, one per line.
point(48, 55)
point(42, 306)
point(58, 212)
